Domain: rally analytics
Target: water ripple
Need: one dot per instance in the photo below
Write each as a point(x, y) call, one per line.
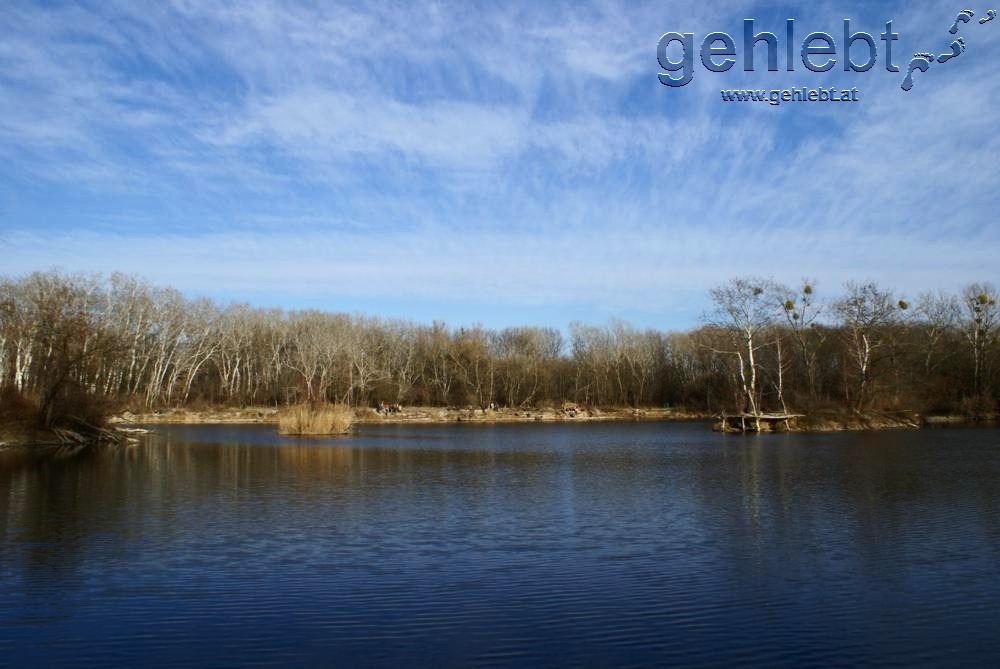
point(614, 545)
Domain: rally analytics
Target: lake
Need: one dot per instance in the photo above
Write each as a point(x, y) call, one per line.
point(632, 544)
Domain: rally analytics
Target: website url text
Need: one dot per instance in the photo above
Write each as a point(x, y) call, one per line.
point(776, 97)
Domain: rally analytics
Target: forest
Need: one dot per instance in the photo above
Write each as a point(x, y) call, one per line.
point(74, 345)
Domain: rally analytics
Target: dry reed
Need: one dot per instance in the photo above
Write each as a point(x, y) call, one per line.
point(320, 419)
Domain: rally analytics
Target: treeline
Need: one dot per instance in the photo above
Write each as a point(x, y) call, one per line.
point(69, 340)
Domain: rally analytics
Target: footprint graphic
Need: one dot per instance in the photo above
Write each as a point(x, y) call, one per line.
point(921, 61)
point(990, 15)
point(964, 16)
point(957, 48)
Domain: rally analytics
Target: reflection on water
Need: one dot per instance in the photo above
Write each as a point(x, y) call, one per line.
point(598, 545)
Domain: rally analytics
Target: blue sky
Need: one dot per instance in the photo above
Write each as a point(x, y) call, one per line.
point(500, 162)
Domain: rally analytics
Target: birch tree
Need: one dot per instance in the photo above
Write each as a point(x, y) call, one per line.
point(744, 308)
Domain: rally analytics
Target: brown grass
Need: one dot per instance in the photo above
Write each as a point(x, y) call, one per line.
point(320, 419)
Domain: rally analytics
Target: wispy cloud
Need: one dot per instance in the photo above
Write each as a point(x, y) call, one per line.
point(515, 153)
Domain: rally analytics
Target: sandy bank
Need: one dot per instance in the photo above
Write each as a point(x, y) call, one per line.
point(826, 422)
point(409, 415)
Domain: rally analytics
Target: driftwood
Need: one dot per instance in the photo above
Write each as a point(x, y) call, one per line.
point(91, 434)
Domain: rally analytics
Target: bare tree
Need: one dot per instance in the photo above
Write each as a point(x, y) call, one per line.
point(802, 316)
point(743, 307)
point(865, 314)
point(402, 358)
point(981, 329)
point(939, 314)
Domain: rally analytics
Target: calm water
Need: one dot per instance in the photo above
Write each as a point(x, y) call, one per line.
point(597, 545)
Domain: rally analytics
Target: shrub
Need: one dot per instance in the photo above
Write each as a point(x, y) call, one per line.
point(67, 406)
point(320, 419)
point(16, 409)
point(982, 407)
point(74, 407)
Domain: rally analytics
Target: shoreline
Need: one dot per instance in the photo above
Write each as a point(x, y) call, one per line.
point(415, 416)
point(123, 426)
point(441, 416)
point(58, 439)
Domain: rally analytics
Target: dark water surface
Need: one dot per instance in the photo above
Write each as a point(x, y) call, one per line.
point(558, 545)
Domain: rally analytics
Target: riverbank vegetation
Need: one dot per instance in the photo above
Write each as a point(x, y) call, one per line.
point(73, 346)
point(315, 419)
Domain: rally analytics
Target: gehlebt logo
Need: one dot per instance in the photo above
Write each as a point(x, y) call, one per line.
point(817, 52)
